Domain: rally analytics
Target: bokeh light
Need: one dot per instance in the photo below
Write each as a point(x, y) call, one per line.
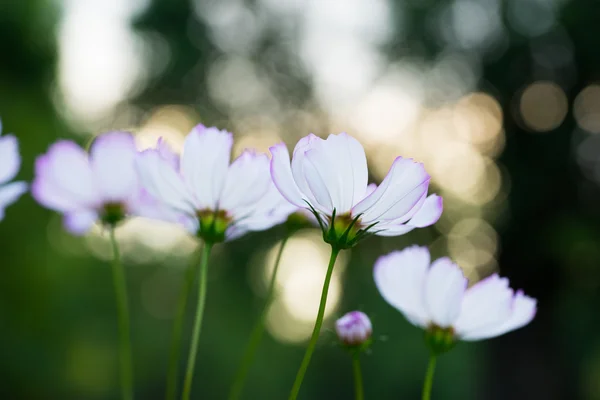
point(543, 106)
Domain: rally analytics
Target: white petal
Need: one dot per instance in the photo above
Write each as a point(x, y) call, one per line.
point(10, 159)
point(112, 158)
point(248, 180)
point(318, 188)
point(299, 163)
point(400, 278)
point(342, 158)
point(79, 222)
point(9, 194)
point(485, 304)
point(426, 212)
point(204, 163)
point(64, 179)
point(159, 178)
point(523, 309)
point(400, 191)
point(281, 173)
point(391, 230)
point(167, 153)
point(429, 213)
point(444, 290)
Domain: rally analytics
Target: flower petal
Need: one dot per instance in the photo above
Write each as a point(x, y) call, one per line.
point(323, 200)
point(167, 153)
point(112, 158)
point(523, 309)
point(429, 213)
point(9, 194)
point(163, 183)
point(400, 278)
point(342, 164)
point(281, 173)
point(485, 304)
point(401, 189)
point(204, 163)
point(444, 290)
point(247, 181)
point(10, 159)
point(391, 230)
point(80, 222)
point(64, 179)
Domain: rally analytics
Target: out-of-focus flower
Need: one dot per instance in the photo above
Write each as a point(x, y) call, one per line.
point(214, 199)
point(102, 186)
point(435, 297)
point(354, 329)
point(329, 177)
point(10, 162)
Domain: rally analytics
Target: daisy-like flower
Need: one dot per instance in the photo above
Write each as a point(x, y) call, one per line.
point(354, 329)
point(330, 178)
point(436, 298)
point(214, 199)
point(10, 162)
point(102, 186)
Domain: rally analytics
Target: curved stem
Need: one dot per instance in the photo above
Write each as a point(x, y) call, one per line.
point(358, 381)
point(317, 329)
point(429, 378)
point(175, 352)
point(257, 331)
point(126, 365)
point(189, 373)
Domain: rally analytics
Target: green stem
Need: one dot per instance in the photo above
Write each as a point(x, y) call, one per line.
point(189, 373)
point(126, 365)
point(429, 378)
point(257, 331)
point(317, 329)
point(358, 381)
point(175, 353)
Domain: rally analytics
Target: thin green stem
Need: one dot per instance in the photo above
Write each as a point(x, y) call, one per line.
point(126, 365)
point(317, 329)
point(257, 331)
point(189, 373)
point(175, 352)
point(429, 378)
point(358, 381)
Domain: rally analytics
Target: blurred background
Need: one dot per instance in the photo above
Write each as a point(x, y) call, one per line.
point(499, 98)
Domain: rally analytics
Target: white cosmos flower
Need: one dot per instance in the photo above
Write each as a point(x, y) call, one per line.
point(331, 177)
point(213, 198)
point(10, 163)
point(86, 188)
point(436, 296)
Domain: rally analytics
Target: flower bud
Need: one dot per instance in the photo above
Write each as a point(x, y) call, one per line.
point(354, 329)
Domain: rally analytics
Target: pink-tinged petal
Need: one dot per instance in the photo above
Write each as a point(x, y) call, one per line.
point(342, 162)
point(9, 194)
point(112, 157)
point(167, 153)
point(64, 179)
point(371, 187)
point(298, 165)
point(354, 328)
point(523, 309)
point(80, 222)
point(391, 230)
point(204, 163)
point(429, 213)
point(281, 173)
point(163, 183)
point(318, 188)
point(10, 159)
point(248, 180)
point(400, 277)
point(444, 290)
point(401, 189)
point(485, 304)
